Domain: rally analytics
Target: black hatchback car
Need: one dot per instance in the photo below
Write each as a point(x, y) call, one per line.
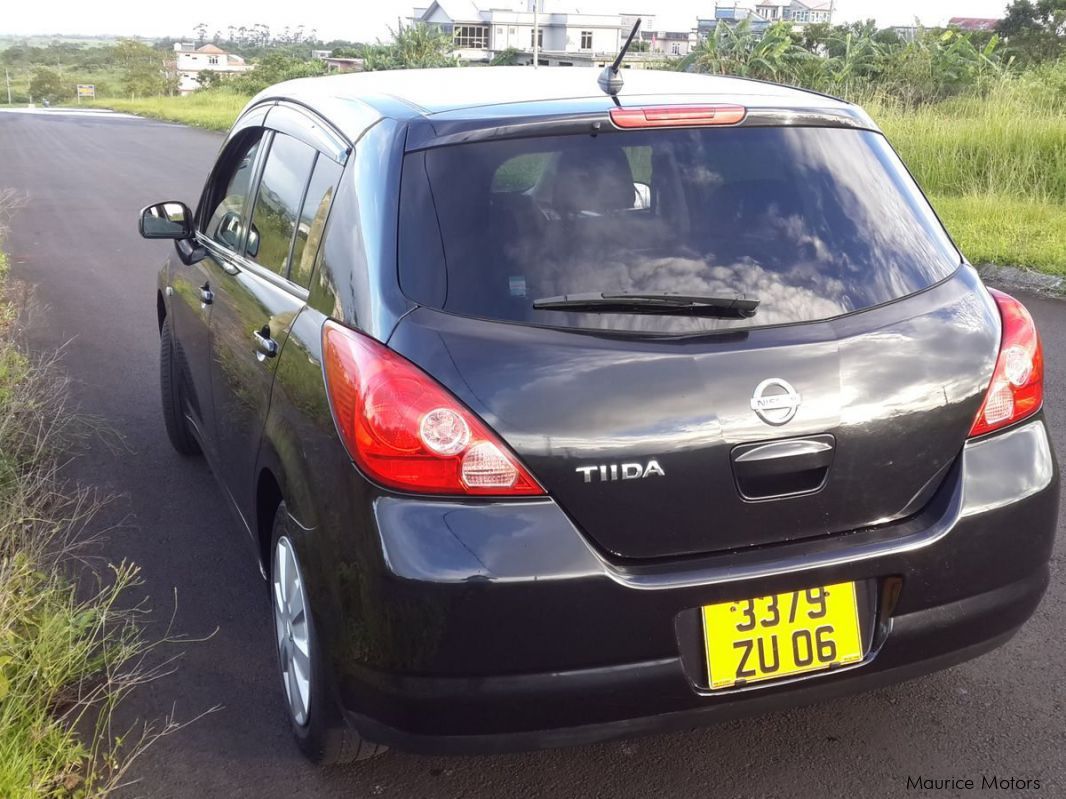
point(555, 416)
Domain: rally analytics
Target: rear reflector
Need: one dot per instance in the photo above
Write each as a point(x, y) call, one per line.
point(1017, 387)
point(405, 431)
point(678, 116)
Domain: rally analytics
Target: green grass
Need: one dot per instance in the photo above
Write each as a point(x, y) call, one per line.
point(1010, 141)
point(214, 110)
point(68, 651)
point(1007, 231)
point(994, 165)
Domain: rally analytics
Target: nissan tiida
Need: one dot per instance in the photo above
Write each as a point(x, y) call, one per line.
point(557, 412)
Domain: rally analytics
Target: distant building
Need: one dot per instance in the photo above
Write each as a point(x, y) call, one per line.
point(565, 37)
point(906, 33)
point(669, 43)
point(764, 13)
point(973, 23)
point(798, 12)
point(336, 64)
point(322, 55)
point(190, 61)
point(731, 15)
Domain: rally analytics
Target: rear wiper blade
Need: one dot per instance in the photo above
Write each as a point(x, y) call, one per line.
point(736, 307)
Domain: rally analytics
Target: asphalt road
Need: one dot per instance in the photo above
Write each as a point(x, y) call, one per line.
point(75, 243)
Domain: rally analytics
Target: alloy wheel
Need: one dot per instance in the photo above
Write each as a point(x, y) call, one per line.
point(293, 633)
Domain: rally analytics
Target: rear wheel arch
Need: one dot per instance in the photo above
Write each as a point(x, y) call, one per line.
point(268, 499)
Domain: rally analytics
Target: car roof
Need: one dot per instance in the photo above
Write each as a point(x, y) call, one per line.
point(410, 93)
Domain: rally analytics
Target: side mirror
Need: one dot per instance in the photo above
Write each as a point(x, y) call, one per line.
point(252, 246)
point(169, 220)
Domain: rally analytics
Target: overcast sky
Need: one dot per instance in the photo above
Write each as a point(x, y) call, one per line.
point(366, 20)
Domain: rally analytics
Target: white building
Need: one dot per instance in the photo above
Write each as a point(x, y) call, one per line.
point(190, 61)
point(669, 43)
point(798, 12)
point(566, 37)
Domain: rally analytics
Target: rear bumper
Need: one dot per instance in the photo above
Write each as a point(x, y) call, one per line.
point(500, 628)
point(656, 696)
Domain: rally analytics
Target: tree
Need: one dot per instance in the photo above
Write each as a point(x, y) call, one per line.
point(142, 69)
point(1035, 31)
point(355, 51)
point(813, 38)
point(47, 85)
point(417, 46)
point(506, 58)
point(275, 68)
point(741, 50)
point(209, 78)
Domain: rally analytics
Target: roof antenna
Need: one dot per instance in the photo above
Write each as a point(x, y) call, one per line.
point(610, 79)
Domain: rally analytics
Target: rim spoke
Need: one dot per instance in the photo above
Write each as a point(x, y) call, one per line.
point(286, 667)
point(281, 629)
point(293, 589)
point(295, 695)
point(283, 570)
point(296, 605)
point(279, 600)
point(301, 663)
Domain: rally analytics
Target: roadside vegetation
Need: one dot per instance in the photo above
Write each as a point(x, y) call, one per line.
point(71, 647)
point(980, 118)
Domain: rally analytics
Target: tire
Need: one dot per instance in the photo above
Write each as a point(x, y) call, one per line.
point(172, 386)
point(319, 730)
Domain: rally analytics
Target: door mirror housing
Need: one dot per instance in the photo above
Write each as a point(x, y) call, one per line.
point(169, 220)
point(189, 251)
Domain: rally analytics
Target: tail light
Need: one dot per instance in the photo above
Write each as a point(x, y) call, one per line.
point(405, 431)
point(678, 116)
point(1017, 388)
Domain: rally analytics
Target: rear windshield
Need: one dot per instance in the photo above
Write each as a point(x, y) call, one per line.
point(812, 222)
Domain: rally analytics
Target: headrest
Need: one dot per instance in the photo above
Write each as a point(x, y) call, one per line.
point(596, 179)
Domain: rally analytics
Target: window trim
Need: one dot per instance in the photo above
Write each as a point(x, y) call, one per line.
point(293, 119)
point(235, 264)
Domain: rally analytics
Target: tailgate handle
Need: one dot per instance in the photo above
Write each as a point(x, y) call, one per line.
point(783, 468)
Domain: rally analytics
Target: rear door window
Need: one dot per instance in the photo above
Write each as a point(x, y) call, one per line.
point(277, 203)
point(812, 222)
point(319, 196)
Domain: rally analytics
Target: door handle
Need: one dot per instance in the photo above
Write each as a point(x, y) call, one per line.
point(783, 468)
point(206, 295)
point(265, 345)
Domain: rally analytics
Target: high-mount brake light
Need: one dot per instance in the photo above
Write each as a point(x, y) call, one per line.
point(405, 431)
point(678, 116)
point(1017, 388)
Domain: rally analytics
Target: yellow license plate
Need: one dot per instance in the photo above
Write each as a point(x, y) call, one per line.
point(769, 637)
